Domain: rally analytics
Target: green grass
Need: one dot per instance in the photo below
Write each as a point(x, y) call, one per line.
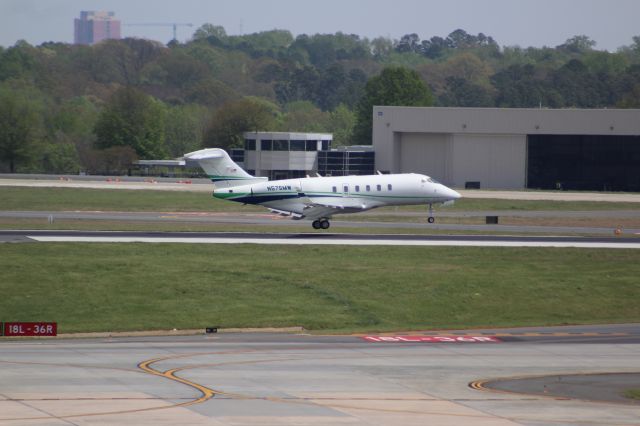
point(71, 199)
point(632, 394)
point(67, 199)
point(116, 287)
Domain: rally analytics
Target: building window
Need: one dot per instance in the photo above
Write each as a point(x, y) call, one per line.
point(368, 188)
point(379, 187)
point(250, 144)
point(335, 189)
point(266, 144)
point(389, 187)
point(237, 154)
point(326, 145)
point(312, 145)
point(280, 145)
point(357, 188)
point(297, 145)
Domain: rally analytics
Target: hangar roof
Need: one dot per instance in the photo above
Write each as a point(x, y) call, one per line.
point(509, 120)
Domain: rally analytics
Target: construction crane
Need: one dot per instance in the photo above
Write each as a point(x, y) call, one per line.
point(175, 25)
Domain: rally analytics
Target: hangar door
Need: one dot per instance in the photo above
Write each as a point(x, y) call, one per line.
point(584, 162)
point(424, 153)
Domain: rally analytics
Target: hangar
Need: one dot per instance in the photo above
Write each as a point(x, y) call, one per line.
point(506, 148)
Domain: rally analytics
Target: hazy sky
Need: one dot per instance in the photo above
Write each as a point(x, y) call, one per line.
point(611, 23)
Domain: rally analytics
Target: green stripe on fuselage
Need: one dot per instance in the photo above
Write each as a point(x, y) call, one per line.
point(229, 195)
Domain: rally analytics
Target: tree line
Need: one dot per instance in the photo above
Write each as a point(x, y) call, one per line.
point(70, 108)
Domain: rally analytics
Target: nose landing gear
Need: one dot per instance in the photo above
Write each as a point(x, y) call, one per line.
point(431, 219)
point(322, 223)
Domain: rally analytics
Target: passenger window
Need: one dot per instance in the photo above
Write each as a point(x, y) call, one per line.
point(335, 189)
point(389, 187)
point(357, 188)
point(368, 188)
point(379, 187)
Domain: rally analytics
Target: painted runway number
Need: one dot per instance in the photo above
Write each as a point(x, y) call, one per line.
point(431, 339)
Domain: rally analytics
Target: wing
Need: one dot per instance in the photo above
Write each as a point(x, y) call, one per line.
point(318, 207)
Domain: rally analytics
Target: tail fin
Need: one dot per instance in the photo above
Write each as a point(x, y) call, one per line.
point(221, 169)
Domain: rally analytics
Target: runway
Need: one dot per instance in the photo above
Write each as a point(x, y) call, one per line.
point(268, 219)
point(313, 239)
point(300, 379)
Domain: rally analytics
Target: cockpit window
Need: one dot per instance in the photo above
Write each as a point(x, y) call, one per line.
point(432, 180)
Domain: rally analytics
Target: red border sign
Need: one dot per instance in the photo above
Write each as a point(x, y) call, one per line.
point(14, 329)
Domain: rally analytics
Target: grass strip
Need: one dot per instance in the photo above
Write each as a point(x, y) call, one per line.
point(120, 287)
point(632, 394)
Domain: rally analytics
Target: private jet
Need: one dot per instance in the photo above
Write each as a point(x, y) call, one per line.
point(319, 198)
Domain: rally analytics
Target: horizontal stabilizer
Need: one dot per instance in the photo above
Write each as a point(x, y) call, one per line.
point(204, 154)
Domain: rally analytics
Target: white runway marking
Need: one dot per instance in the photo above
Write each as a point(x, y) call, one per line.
point(336, 241)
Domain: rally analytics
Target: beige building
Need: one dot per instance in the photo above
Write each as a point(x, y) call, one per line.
point(511, 148)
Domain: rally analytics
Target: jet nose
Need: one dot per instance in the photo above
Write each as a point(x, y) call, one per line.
point(451, 194)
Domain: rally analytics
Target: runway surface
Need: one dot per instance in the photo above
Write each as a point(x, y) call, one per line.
point(313, 239)
point(268, 219)
point(298, 379)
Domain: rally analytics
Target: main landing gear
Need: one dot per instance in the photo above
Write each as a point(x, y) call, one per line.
point(431, 219)
point(321, 223)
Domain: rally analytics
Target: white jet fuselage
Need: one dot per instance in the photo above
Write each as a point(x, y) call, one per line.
point(313, 198)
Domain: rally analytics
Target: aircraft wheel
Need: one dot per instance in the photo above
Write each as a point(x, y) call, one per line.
point(431, 220)
point(324, 224)
point(316, 224)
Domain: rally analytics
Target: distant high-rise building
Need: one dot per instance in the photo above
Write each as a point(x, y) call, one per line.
point(95, 26)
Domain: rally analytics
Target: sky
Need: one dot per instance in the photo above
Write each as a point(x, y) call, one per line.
point(611, 23)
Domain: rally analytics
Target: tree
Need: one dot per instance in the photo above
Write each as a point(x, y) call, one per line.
point(234, 118)
point(468, 66)
point(324, 49)
point(394, 86)
point(303, 116)
point(213, 33)
point(266, 43)
point(577, 44)
point(184, 129)
point(631, 99)
point(409, 43)
point(579, 87)
point(132, 118)
point(210, 92)
point(381, 47)
point(19, 61)
point(341, 123)
point(182, 70)
point(463, 93)
point(128, 57)
point(435, 47)
point(60, 158)
point(20, 125)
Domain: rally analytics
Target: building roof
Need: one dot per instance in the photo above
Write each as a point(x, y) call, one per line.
point(509, 120)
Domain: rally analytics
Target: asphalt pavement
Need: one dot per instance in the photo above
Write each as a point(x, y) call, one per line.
point(408, 378)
